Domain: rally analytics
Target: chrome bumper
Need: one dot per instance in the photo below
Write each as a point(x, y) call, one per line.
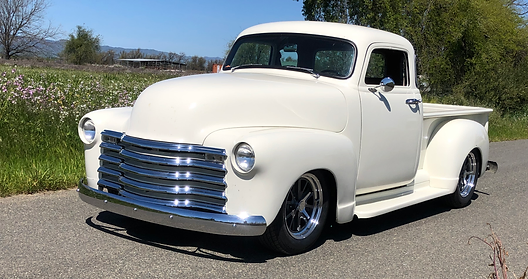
point(214, 223)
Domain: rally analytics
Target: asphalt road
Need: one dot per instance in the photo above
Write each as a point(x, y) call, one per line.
point(55, 235)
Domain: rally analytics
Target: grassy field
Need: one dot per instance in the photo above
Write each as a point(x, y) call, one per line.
point(39, 111)
point(40, 108)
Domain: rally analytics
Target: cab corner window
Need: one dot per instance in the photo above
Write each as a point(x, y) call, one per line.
point(387, 63)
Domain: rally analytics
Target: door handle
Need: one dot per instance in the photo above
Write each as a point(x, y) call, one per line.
point(413, 101)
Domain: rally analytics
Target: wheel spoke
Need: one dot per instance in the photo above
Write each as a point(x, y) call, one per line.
point(306, 215)
point(307, 196)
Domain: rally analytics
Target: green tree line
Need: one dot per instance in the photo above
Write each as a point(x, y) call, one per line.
point(468, 50)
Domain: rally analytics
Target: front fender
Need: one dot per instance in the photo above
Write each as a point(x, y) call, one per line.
point(106, 119)
point(449, 146)
point(282, 155)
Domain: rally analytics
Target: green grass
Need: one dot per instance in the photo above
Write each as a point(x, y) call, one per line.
point(508, 127)
point(40, 108)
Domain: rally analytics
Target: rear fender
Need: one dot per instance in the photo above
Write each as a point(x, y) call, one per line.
point(448, 148)
point(282, 155)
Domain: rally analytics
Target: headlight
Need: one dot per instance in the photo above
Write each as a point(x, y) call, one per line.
point(244, 157)
point(87, 131)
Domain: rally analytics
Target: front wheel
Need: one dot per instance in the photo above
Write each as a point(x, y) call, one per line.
point(467, 181)
point(301, 218)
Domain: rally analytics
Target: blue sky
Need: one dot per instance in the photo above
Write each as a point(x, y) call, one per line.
point(195, 27)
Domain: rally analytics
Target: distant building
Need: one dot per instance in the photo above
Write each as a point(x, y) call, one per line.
point(151, 63)
point(217, 68)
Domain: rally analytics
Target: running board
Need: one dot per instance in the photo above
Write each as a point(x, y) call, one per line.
point(377, 208)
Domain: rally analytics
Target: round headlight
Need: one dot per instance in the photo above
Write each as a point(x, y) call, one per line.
point(244, 157)
point(87, 131)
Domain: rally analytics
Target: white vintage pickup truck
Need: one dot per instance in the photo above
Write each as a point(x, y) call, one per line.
point(307, 124)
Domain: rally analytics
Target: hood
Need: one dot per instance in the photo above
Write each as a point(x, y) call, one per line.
point(188, 109)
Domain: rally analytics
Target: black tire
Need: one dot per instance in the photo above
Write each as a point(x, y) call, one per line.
point(467, 182)
point(301, 218)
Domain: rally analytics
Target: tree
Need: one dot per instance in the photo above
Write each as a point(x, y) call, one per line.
point(133, 54)
point(196, 63)
point(22, 27)
point(106, 57)
point(176, 57)
point(82, 47)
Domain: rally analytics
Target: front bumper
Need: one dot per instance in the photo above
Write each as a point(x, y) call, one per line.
point(214, 223)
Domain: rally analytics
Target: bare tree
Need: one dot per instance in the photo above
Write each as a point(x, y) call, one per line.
point(22, 27)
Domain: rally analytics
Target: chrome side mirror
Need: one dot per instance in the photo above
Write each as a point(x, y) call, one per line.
point(386, 84)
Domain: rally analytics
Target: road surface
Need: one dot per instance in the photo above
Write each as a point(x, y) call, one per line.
point(55, 235)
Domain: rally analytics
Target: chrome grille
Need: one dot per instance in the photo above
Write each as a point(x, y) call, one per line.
point(163, 173)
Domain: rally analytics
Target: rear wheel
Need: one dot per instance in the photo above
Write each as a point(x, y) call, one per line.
point(301, 218)
point(467, 181)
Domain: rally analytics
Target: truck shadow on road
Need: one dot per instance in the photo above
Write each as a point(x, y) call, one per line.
point(248, 249)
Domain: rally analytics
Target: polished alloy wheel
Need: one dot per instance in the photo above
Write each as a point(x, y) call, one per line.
point(468, 175)
point(304, 204)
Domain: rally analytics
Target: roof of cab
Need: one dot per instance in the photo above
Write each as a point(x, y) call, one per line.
point(361, 36)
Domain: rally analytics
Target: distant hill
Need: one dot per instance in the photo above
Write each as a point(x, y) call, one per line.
point(53, 49)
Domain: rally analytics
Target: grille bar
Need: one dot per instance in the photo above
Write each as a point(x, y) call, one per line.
point(173, 190)
point(186, 176)
point(176, 162)
point(162, 173)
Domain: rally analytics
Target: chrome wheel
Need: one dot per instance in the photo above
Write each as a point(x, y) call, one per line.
point(304, 204)
point(468, 176)
point(302, 216)
point(467, 181)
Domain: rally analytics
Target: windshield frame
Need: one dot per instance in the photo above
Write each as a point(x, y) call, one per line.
point(275, 40)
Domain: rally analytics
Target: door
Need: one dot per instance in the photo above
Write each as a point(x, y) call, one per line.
point(391, 121)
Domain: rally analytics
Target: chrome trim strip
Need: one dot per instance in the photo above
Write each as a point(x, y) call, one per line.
point(111, 185)
point(214, 223)
point(109, 171)
point(110, 159)
point(187, 176)
point(175, 162)
point(111, 146)
point(173, 190)
point(112, 134)
point(178, 203)
point(178, 147)
point(384, 194)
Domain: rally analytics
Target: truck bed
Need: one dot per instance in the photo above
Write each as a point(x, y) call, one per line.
point(439, 110)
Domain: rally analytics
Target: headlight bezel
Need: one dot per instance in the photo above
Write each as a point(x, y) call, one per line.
point(87, 130)
point(244, 158)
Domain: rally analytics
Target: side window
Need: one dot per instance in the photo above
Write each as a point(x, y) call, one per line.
point(388, 63)
point(252, 53)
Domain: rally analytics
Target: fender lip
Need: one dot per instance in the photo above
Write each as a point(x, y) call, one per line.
point(213, 223)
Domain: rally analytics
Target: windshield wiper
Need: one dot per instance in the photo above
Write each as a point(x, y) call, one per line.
point(306, 70)
point(244, 66)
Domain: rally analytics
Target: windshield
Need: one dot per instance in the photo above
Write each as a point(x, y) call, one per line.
point(318, 55)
